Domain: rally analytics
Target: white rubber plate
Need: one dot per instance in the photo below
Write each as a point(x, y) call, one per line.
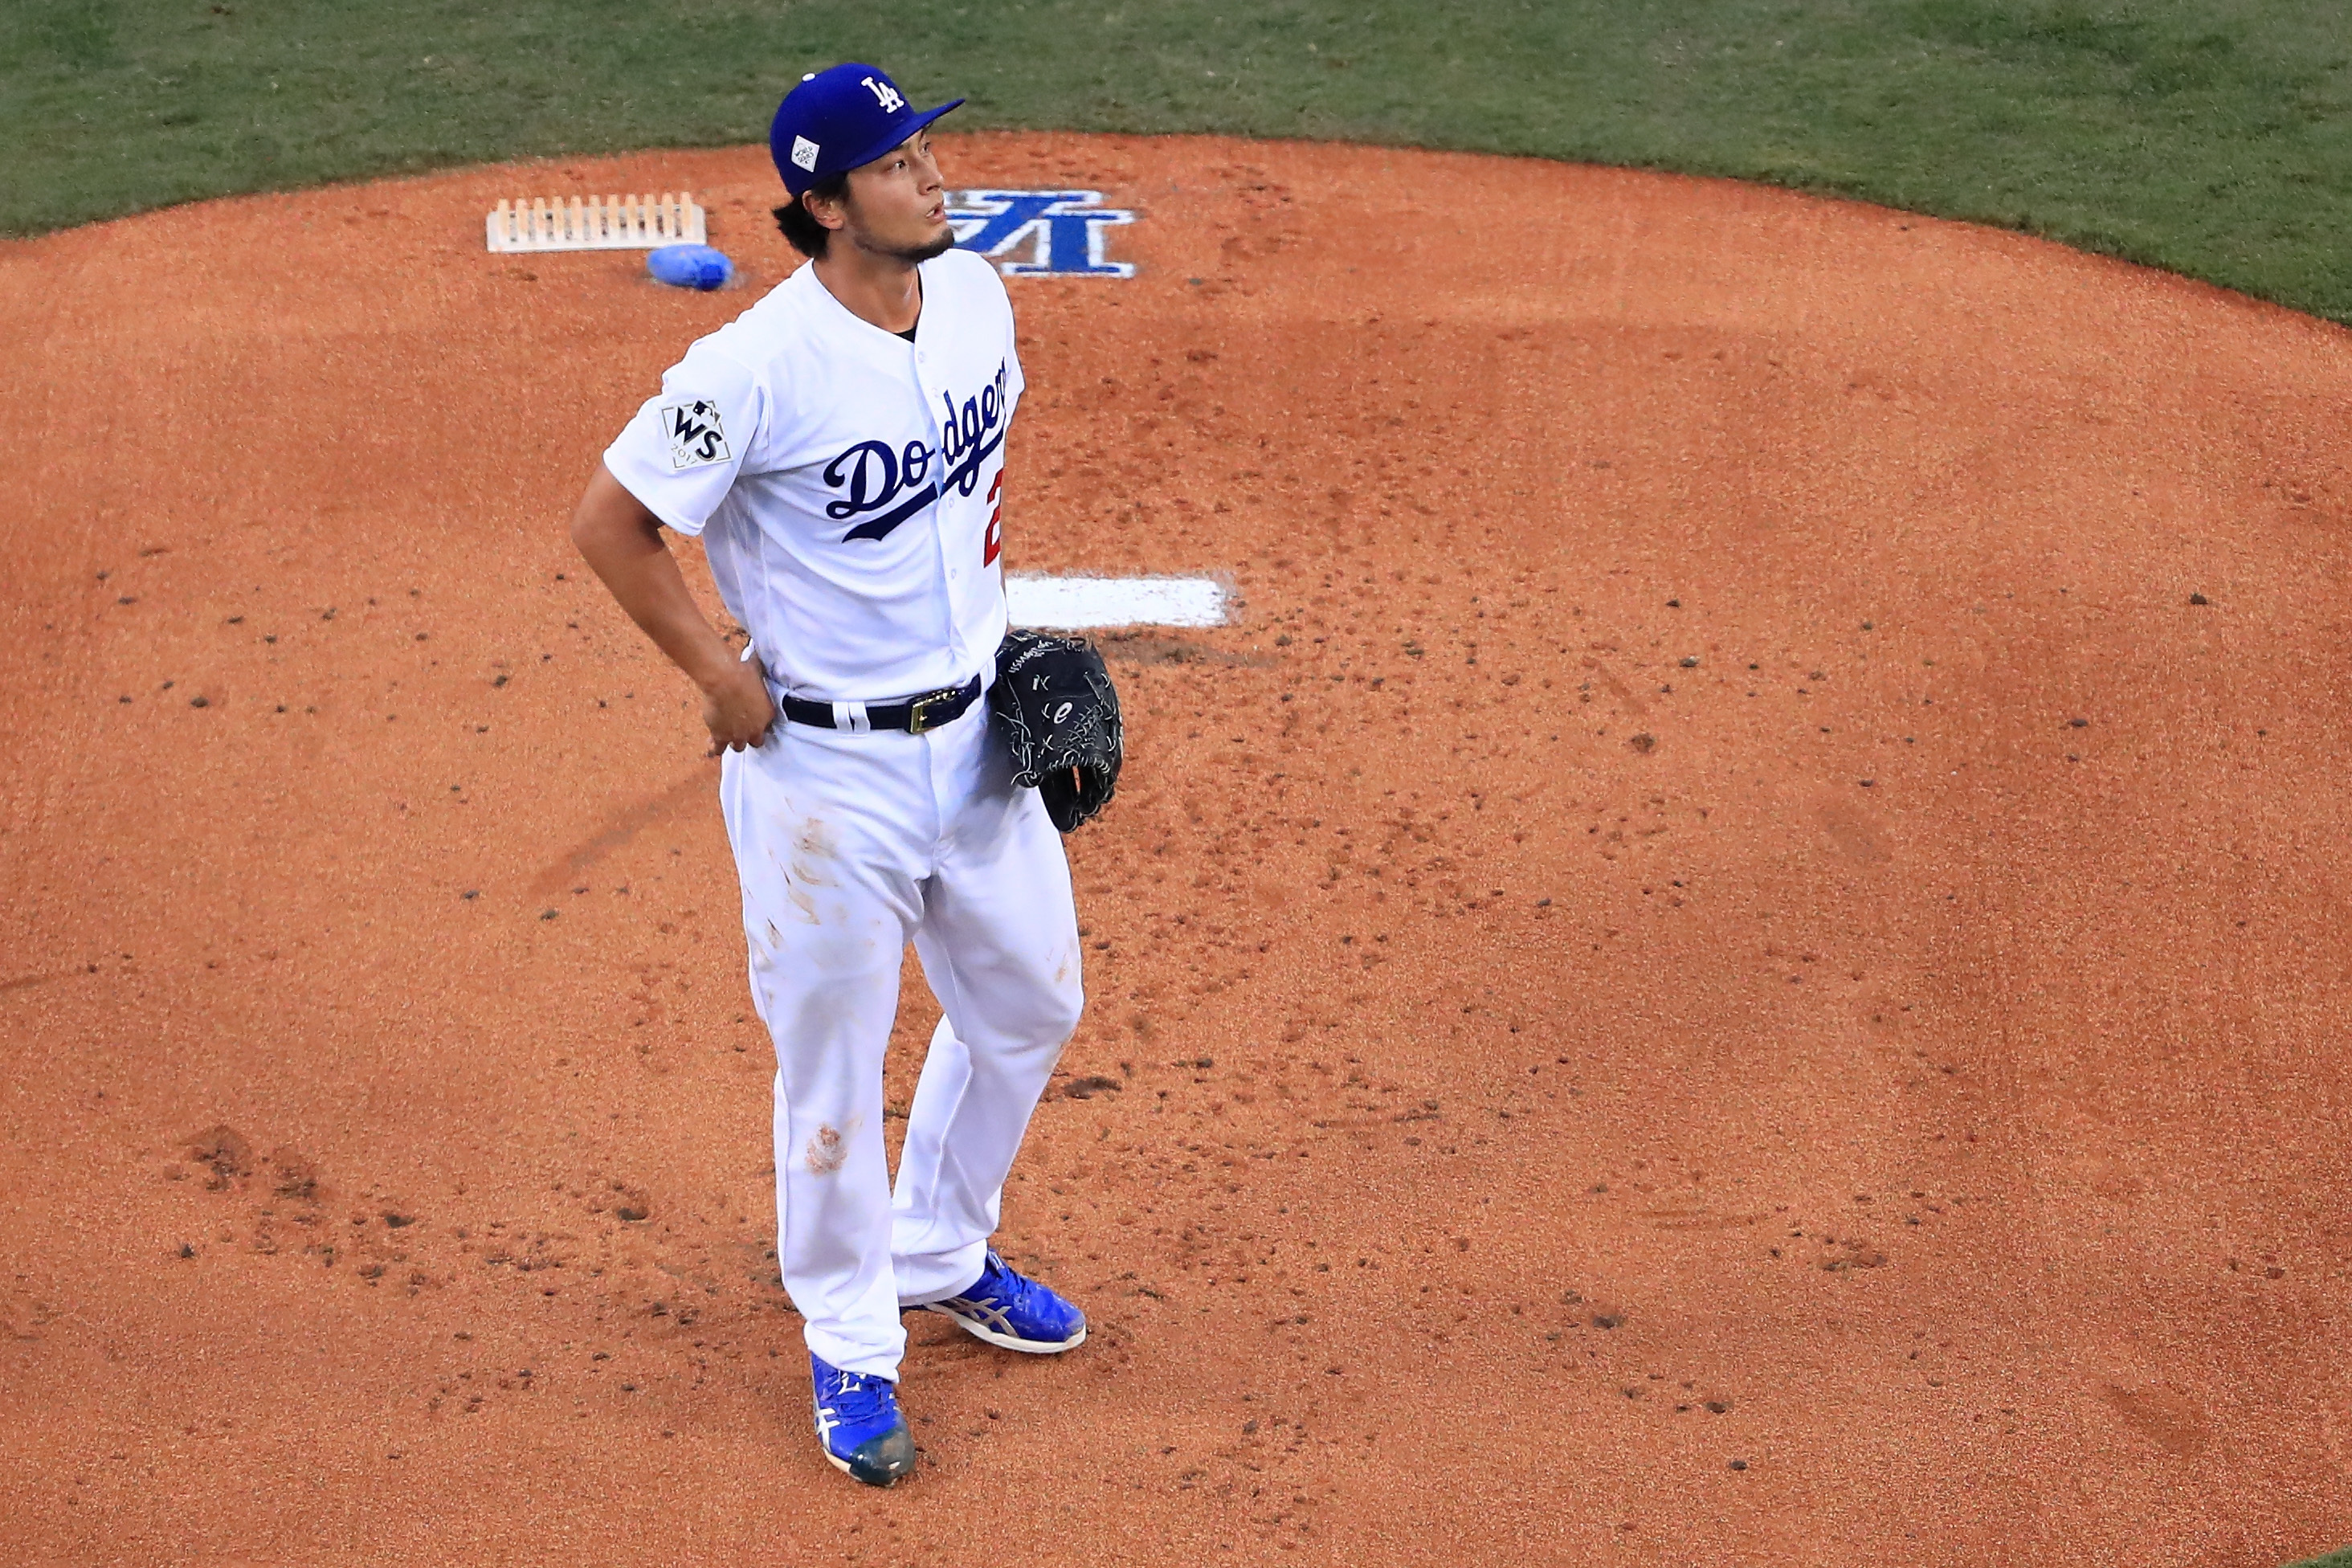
point(1073, 603)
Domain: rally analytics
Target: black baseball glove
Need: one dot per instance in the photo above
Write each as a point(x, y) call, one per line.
point(1053, 704)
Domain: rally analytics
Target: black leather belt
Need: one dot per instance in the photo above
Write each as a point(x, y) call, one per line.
point(914, 714)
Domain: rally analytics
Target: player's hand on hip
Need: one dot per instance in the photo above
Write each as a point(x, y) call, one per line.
point(737, 708)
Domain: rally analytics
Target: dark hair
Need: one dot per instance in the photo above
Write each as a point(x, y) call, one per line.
point(807, 235)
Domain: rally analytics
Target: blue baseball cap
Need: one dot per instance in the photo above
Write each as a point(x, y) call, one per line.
point(839, 117)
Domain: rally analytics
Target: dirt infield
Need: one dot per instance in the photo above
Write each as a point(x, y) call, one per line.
point(1740, 959)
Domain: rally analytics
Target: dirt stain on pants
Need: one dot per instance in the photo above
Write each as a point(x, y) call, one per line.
point(826, 1151)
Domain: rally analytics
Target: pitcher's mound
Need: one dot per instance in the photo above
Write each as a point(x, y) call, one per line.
point(1738, 957)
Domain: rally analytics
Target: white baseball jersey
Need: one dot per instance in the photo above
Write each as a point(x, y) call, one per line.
point(846, 483)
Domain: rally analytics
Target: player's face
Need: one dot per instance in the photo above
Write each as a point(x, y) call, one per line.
point(897, 204)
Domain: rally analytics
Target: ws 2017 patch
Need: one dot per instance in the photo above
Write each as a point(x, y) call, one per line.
point(1064, 228)
point(696, 436)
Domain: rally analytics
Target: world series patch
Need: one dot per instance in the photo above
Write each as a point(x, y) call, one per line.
point(696, 436)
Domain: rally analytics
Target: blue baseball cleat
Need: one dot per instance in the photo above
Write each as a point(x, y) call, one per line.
point(1006, 1308)
point(857, 1421)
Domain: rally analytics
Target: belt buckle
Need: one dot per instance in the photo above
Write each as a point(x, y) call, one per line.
point(919, 711)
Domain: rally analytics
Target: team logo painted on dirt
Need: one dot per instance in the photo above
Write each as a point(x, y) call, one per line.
point(1064, 230)
point(696, 436)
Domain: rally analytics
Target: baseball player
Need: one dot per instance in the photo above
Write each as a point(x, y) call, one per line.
point(839, 449)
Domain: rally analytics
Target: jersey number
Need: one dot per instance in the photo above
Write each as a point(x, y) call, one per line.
point(995, 543)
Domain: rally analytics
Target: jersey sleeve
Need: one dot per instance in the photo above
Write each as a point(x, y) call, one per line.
point(680, 453)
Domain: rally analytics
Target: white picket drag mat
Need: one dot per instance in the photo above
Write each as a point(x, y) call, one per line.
point(597, 222)
point(1072, 603)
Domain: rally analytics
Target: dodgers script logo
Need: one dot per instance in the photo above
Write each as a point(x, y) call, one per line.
point(1067, 227)
point(874, 477)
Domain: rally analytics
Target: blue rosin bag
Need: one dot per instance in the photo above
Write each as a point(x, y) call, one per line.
point(690, 266)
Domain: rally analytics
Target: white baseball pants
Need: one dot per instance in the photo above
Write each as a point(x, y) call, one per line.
point(849, 844)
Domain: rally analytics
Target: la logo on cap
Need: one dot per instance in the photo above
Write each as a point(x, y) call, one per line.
point(804, 152)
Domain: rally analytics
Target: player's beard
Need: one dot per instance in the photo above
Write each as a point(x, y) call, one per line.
point(915, 253)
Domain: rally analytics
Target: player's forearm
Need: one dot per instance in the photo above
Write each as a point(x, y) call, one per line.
point(622, 543)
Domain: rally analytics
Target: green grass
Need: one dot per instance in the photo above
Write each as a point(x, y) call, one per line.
point(2342, 1558)
point(2214, 138)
